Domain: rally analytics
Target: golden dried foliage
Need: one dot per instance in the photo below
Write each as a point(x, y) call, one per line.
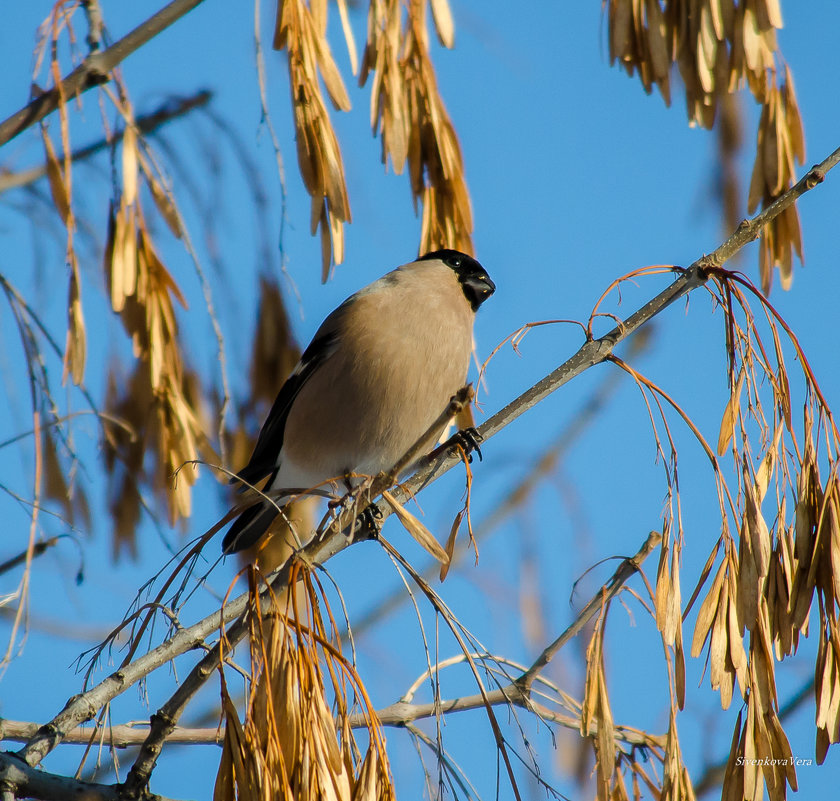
point(60, 177)
point(720, 46)
point(759, 599)
point(676, 782)
point(162, 408)
point(148, 427)
point(780, 143)
point(301, 30)
point(165, 414)
point(613, 760)
point(596, 713)
point(408, 111)
point(762, 594)
point(296, 742)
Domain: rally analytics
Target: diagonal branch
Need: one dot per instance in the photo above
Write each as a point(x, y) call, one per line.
point(518, 691)
point(83, 707)
point(94, 70)
point(145, 124)
point(595, 351)
point(627, 568)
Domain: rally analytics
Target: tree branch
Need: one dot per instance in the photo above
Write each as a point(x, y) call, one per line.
point(124, 735)
point(598, 350)
point(146, 124)
point(518, 691)
point(83, 707)
point(627, 568)
point(19, 780)
point(94, 70)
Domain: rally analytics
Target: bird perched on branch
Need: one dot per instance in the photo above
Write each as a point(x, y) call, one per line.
point(377, 375)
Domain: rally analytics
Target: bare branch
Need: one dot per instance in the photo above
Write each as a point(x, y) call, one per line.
point(94, 70)
point(627, 568)
point(400, 713)
point(124, 735)
point(145, 124)
point(83, 707)
point(595, 351)
point(19, 780)
point(38, 548)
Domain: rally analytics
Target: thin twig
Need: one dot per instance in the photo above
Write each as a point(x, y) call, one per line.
point(146, 124)
point(94, 70)
point(123, 735)
point(38, 548)
point(628, 567)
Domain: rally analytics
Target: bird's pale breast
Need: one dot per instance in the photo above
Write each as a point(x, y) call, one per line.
point(392, 387)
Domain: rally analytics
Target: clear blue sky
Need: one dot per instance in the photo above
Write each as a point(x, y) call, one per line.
point(576, 177)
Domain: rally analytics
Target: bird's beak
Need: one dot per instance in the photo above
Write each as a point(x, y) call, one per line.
point(481, 286)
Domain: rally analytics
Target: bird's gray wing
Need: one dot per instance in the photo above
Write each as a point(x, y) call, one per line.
point(264, 459)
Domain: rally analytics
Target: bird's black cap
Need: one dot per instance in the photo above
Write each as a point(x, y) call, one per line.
point(474, 280)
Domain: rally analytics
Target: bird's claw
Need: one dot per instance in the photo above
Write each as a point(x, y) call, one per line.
point(468, 439)
point(368, 524)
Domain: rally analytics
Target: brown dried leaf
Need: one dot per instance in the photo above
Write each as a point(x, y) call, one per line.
point(165, 205)
point(707, 612)
point(773, 12)
point(231, 778)
point(796, 132)
point(450, 544)
point(332, 77)
point(756, 527)
point(730, 415)
point(679, 670)
point(75, 348)
point(765, 469)
point(663, 589)
point(733, 777)
point(129, 165)
point(55, 178)
point(756, 191)
point(773, 145)
point(444, 25)
point(417, 530)
point(349, 39)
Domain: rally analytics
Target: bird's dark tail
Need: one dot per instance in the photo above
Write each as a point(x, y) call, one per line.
point(249, 527)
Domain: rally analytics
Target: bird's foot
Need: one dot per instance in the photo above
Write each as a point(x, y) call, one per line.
point(468, 439)
point(368, 524)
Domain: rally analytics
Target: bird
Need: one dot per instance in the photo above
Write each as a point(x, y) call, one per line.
point(379, 372)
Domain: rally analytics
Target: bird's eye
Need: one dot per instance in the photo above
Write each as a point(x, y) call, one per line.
point(454, 261)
